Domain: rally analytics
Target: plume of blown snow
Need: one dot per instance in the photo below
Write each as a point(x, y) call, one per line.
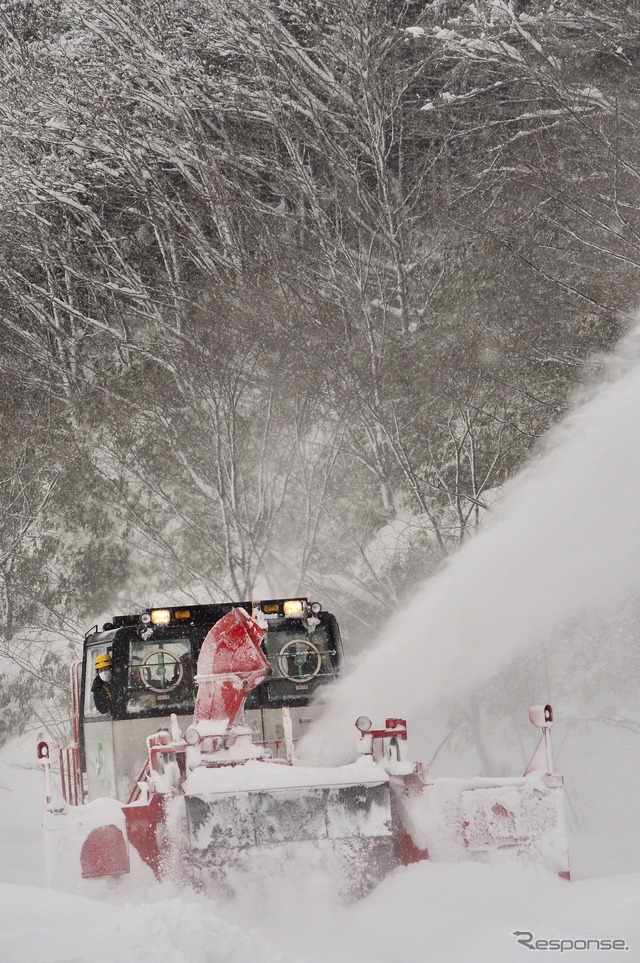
point(562, 542)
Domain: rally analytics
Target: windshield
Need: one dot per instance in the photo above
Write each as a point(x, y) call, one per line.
point(298, 656)
point(160, 674)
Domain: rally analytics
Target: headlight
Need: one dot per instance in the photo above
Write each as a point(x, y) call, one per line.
point(161, 616)
point(191, 736)
point(363, 723)
point(316, 607)
point(293, 607)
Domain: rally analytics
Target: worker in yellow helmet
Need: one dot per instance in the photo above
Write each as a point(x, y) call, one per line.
point(101, 688)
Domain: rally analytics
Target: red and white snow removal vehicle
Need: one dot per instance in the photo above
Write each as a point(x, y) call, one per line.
point(183, 757)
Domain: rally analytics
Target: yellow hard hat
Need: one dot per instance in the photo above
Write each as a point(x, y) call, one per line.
point(103, 662)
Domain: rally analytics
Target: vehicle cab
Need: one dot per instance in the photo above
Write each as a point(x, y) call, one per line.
point(154, 657)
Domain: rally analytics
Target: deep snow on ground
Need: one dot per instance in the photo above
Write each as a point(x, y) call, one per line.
point(435, 912)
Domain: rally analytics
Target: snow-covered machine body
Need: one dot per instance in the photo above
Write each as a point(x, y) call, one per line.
point(190, 763)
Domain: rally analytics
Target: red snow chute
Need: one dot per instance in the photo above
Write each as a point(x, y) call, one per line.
point(230, 665)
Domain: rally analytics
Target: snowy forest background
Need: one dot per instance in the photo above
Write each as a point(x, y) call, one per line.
point(288, 291)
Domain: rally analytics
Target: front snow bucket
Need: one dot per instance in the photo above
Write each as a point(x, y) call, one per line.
point(238, 820)
point(490, 820)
